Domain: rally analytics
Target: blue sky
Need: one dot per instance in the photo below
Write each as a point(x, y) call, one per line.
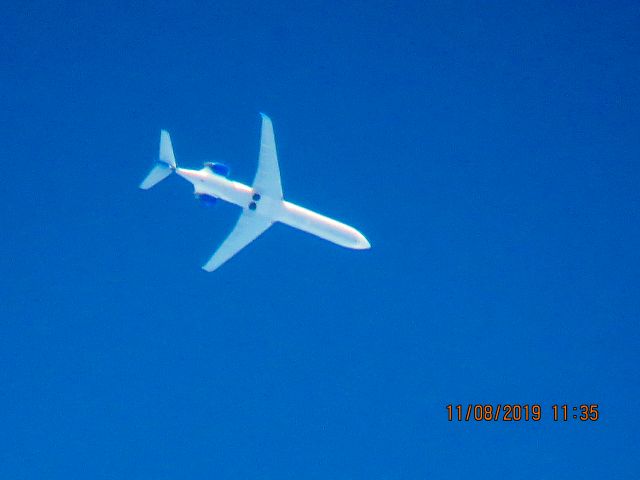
point(488, 152)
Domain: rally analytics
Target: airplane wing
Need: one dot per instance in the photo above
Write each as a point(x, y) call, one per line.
point(249, 227)
point(267, 181)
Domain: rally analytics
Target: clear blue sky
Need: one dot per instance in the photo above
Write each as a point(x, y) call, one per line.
point(490, 154)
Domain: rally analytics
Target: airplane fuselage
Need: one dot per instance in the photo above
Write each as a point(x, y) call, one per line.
point(205, 182)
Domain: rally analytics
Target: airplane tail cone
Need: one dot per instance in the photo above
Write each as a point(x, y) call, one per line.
point(165, 164)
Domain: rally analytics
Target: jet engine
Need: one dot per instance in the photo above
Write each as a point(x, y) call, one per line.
point(218, 168)
point(206, 200)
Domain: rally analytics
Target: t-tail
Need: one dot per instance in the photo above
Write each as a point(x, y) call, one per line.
point(165, 164)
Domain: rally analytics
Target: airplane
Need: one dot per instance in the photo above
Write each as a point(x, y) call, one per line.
point(262, 203)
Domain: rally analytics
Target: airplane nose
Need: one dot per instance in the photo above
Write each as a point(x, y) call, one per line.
point(361, 242)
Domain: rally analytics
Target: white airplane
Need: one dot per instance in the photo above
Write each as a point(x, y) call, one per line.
point(262, 204)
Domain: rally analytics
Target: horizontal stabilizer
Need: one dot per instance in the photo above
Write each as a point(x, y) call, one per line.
point(157, 174)
point(164, 166)
point(166, 150)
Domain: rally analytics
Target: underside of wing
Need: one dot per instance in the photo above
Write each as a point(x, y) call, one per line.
point(267, 181)
point(249, 227)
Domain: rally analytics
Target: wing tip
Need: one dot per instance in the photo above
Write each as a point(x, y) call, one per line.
point(211, 265)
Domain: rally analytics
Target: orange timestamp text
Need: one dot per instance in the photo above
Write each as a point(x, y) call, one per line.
point(517, 412)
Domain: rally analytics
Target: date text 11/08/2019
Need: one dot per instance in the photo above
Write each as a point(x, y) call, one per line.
point(517, 412)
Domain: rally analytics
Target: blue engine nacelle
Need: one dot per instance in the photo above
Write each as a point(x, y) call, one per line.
point(207, 200)
point(218, 168)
